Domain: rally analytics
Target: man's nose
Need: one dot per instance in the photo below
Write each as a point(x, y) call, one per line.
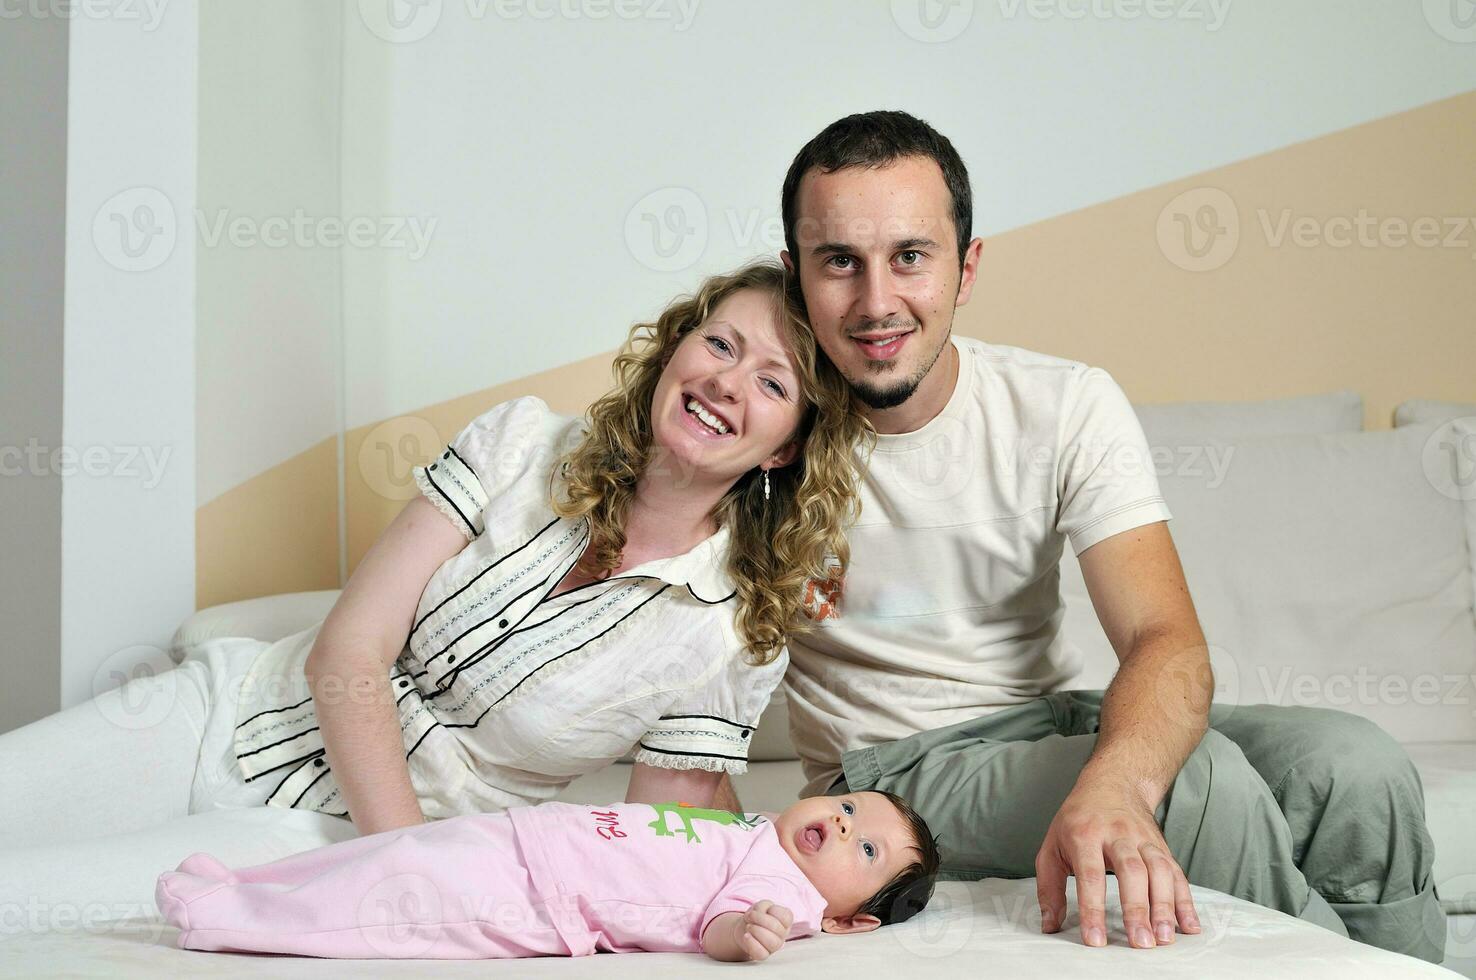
point(878, 301)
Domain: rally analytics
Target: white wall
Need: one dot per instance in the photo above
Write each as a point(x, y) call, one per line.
point(541, 146)
point(268, 357)
point(128, 542)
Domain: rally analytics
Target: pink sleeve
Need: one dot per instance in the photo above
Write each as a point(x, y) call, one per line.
point(743, 890)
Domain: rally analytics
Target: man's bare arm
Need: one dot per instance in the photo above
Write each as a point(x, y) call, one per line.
point(1153, 715)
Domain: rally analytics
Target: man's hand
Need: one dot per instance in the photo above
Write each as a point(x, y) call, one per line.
point(754, 935)
point(1103, 826)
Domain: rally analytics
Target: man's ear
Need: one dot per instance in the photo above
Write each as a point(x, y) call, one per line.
point(842, 924)
point(969, 272)
point(785, 257)
point(784, 455)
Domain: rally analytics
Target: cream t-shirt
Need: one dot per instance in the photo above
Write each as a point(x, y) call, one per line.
point(951, 607)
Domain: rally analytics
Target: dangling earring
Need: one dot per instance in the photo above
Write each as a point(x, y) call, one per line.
point(766, 484)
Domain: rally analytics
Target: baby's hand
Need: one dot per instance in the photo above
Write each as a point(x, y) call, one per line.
point(763, 929)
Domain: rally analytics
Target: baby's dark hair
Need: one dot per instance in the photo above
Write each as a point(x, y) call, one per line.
point(909, 891)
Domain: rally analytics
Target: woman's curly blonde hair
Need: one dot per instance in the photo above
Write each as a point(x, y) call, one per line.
point(776, 545)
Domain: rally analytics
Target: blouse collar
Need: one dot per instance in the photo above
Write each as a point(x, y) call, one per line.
point(703, 570)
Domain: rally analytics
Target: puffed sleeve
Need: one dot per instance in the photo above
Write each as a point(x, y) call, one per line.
point(710, 725)
point(494, 450)
point(1105, 479)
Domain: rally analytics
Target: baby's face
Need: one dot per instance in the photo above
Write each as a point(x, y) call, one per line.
point(848, 846)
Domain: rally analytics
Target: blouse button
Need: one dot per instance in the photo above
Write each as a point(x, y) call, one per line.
point(404, 684)
point(745, 733)
point(502, 624)
point(451, 659)
point(318, 763)
point(434, 465)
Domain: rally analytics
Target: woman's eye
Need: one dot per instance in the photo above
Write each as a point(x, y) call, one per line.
point(847, 809)
point(719, 343)
point(775, 387)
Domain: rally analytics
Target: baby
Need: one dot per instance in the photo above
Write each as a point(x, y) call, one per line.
point(568, 880)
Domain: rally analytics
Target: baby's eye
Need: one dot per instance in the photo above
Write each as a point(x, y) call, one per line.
point(847, 809)
point(869, 849)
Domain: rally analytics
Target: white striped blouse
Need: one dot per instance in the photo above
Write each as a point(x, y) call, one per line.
point(506, 693)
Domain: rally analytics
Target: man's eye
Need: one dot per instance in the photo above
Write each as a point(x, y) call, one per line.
point(916, 257)
point(837, 260)
point(847, 809)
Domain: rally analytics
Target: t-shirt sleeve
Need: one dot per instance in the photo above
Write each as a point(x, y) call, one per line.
point(495, 449)
point(766, 873)
point(710, 724)
point(1105, 480)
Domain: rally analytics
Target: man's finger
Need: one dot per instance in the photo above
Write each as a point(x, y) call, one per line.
point(1091, 895)
point(1184, 903)
point(1132, 890)
point(1050, 889)
point(1161, 895)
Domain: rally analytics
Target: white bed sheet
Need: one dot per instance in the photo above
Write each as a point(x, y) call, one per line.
point(978, 929)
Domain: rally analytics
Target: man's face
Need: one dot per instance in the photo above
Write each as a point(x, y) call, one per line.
point(878, 263)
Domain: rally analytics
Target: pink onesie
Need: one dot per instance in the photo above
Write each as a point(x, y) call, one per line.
point(554, 879)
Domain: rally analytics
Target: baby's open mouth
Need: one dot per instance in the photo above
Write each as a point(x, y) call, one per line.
point(811, 838)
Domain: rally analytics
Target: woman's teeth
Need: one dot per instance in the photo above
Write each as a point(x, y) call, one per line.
point(708, 419)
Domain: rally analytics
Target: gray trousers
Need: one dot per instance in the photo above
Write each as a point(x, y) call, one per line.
point(1314, 812)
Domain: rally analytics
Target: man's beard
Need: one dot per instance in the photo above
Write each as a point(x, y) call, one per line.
point(879, 395)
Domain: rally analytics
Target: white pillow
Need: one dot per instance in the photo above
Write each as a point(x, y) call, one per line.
point(1419, 410)
point(1339, 411)
point(1327, 570)
point(267, 618)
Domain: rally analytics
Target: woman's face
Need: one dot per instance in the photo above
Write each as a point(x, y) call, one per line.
point(729, 399)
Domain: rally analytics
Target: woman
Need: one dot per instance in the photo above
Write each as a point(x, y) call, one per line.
point(563, 591)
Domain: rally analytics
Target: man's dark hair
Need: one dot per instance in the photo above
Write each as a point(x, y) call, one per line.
point(877, 139)
point(909, 891)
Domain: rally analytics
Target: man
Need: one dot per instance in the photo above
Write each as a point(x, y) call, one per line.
point(938, 679)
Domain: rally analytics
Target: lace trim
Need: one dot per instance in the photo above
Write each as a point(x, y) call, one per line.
point(661, 760)
point(422, 480)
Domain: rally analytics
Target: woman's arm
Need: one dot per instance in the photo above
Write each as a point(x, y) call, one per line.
point(348, 667)
point(652, 784)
